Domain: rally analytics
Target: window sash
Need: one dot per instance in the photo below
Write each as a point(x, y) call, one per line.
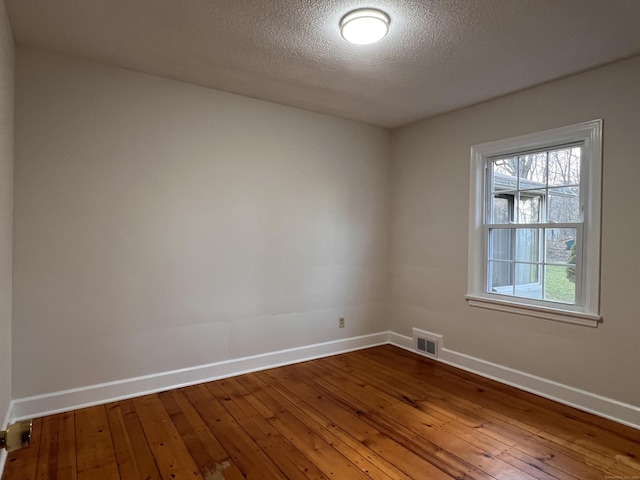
point(541, 263)
point(545, 191)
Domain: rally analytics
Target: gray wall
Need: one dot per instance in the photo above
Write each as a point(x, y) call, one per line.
point(160, 225)
point(430, 232)
point(6, 205)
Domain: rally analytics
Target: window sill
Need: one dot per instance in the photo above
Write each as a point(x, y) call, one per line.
point(558, 315)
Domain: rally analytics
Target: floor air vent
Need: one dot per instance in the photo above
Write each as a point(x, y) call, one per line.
point(427, 343)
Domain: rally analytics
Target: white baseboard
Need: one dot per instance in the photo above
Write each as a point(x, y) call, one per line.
point(56, 402)
point(589, 402)
point(66, 400)
point(401, 341)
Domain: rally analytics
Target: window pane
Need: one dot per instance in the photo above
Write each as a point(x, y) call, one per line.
point(500, 278)
point(533, 170)
point(501, 244)
point(506, 166)
point(564, 166)
point(560, 245)
point(502, 208)
point(558, 285)
point(529, 207)
point(528, 244)
point(505, 174)
point(527, 281)
point(564, 204)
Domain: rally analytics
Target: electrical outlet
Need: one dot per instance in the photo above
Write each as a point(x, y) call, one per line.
point(341, 322)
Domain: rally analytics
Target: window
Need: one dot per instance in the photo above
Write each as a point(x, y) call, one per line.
point(534, 226)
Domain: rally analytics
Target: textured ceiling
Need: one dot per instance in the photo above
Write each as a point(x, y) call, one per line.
point(440, 55)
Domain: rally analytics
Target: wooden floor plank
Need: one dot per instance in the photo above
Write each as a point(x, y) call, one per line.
point(95, 454)
point(293, 463)
point(168, 448)
point(521, 421)
point(406, 460)
point(66, 447)
point(140, 449)
point(261, 393)
point(459, 421)
point(48, 456)
point(380, 413)
point(525, 415)
point(254, 463)
point(444, 450)
point(329, 461)
point(338, 435)
point(585, 418)
point(489, 456)
point(204, 447)
point(127, 465)
point(528, 417)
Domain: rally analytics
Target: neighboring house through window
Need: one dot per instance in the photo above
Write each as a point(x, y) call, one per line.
point(534, 231)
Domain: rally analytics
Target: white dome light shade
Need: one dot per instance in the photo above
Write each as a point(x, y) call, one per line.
point(364, 26)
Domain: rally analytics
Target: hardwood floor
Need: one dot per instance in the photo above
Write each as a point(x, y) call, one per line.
point(380, 413)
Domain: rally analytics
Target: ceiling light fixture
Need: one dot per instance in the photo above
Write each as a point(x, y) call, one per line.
point(364, 26)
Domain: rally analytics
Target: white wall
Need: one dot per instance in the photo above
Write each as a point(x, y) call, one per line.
point(160, 225)
point(430, 231)
point(6, 206)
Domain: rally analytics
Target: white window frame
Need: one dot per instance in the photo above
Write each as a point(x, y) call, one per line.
point(586, 311)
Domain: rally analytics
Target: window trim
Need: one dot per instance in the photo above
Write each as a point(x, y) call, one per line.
point(588, 311)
